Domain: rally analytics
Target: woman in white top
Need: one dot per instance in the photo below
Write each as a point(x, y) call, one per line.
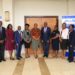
point(64, 39)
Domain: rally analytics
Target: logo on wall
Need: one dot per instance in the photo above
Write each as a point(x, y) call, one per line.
point(68, 20)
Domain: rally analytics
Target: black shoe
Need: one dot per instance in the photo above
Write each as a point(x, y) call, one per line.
point(44, 55)
point(70, 61)
point(0, 60)
point(36, 56)
point(12, 59)
point(21, 57)
point(18, 58)
point(3, 60)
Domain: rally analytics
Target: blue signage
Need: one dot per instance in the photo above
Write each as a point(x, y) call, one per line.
point(68, 20)
point(0, 17)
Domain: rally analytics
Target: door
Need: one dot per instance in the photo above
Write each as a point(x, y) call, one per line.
point(31, 20)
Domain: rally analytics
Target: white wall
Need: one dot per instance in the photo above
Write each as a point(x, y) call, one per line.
point(0, 7)
point(25, 8)
point(71, 7)
point(42, 7)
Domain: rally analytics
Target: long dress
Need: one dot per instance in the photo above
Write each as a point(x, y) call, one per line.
point(10, 44)
point(55, 42)
point(36, 34)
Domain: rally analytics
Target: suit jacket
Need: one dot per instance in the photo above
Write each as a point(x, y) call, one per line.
point(18, 37)
point(26, 35)
point(3, 34)
point(45, 35)
point(72, 38)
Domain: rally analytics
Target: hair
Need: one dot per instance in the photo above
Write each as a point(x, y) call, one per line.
point(56, 26)
point(72, 25)
point(9, 25)
point(35, 24)
point(64, 23)
point(27, 25)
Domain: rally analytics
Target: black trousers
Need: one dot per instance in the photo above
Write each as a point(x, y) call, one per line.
point(71, 54)
point(2, 50)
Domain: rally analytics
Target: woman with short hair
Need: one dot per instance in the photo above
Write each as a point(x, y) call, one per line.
point(27, 40)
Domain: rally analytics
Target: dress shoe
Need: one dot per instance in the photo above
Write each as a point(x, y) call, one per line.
point(21, 57)
point(18, 58)
point(3, 60)
point(0, 60)
point(36, 56)
point(44, 56)
point(12, 58)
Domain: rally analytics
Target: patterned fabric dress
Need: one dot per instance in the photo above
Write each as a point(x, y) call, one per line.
point(9, 45)
point(35, 43)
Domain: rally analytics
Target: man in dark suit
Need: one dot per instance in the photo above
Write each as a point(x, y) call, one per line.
point(45, 37)
point(71, 43)
point(2, 42)
point(18, 40)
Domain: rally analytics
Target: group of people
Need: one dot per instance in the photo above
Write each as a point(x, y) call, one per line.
point(37, 38)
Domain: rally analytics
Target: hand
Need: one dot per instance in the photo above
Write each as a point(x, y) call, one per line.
point(37, 39)
point(70, 45)
point(42, 41)
point(48, 41)
point(12, 40)
point(17, 44)
point(60, 40)
point(1, 41)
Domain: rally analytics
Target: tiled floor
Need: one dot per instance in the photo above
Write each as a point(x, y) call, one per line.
point(40, 66)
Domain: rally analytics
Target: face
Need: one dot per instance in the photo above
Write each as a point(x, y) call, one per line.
point(70, 28)
point(45, 24)
point(35, 25)
point(63, 26)
point(26, 27)
point(19, 27)
point(0, 23)
point(55, 27)
point(10, 26)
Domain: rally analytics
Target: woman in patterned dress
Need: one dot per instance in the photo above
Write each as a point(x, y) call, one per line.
point(35, 33)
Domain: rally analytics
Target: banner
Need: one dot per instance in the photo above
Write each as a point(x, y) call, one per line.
point(0, 18)
point(68, 20)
